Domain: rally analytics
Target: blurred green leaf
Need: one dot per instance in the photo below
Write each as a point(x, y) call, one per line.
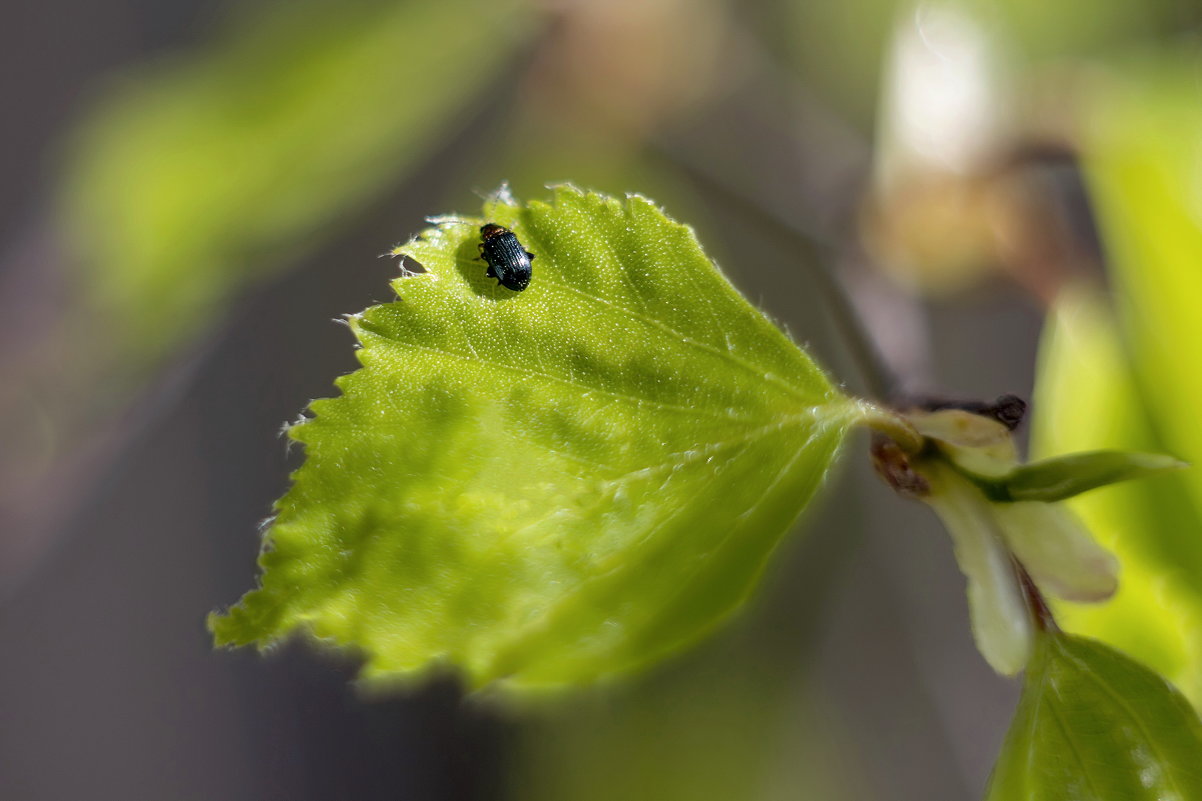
point(552, 486)
point(1074, 27)
point(842, 49)
point(1066, 476)
point(1130, 381)
point(1143, 161)
point(1086, 397)
point(719, 727)
point(1093, 724)
point(207, 172)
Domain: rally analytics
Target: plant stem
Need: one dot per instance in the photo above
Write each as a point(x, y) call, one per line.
point(1041, 613)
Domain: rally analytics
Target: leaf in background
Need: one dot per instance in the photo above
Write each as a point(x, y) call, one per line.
point(1131, 381)
point(1087, 397)
point(210, 171)
point(1142, 163)
point(1093, 724)
point(550, 486)
point(722, 723)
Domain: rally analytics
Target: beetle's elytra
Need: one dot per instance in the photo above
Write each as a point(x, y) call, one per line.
point(507, 260)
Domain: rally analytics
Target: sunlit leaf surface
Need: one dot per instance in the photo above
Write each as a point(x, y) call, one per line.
point(1093, 725)
point(551, 486)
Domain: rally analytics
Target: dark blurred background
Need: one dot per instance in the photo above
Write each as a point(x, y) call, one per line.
point(194, 191)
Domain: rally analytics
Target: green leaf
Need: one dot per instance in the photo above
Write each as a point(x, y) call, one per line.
point(1087, 397)
point(1129, 378)
point(1066, 476)
point(1095, 725)
point(204, 173)
point(552, 486)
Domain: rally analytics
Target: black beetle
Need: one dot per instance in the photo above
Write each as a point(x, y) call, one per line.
point(507, 260)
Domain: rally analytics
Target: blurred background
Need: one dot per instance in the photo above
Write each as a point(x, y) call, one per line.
point(1009, 193)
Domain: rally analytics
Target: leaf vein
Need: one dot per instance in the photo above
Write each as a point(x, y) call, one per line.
point(693, 454)
point(726, 355)
point(1122, 703)
point(529, 373)
point(1072, 746)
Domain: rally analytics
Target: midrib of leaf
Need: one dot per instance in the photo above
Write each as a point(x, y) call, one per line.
point(690, 456)
point(1032, 730)
point(475, 359)
point(1083, 769)
point(1120, 702)
point(727, 355)
point(1151, 752)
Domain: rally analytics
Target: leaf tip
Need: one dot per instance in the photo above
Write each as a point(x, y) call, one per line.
point(225, 629)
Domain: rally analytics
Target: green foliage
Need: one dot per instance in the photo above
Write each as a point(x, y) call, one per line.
point(1141, 156)
point(1000, 512)
point(723, 723)
point(1129, 378)
point(1066, 476)
point(1095, 725)
point(213, 170)
point(553, 486)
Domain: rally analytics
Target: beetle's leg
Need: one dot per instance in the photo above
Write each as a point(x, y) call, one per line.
point(490, 272)
point(530, 255)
